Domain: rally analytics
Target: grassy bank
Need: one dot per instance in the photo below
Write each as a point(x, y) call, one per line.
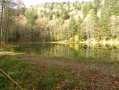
point(55, 73)
point(32, 75)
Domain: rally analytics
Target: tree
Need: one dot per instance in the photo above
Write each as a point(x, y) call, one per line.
point(104, 21)
point(32, 16)
point(114, 5)
point(89, 25)
point(8, 13)
point(1, 28)
point(51, 16)
point(94, 22)
point(5, 5)
point(52, 6)
point(86, 8)
point(79, 32)
point(96, 4)
point(72, 27)
point(114, 26)
point(66, 16)
point(57, 15)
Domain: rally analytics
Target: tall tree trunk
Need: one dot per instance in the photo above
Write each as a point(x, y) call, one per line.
point(7, 22)
point(1, 33)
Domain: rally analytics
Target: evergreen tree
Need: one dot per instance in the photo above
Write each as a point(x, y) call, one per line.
point(78, 32)
point(51, 16)
point(32, 16)
point(104, 21)
point(96, 4)
point(57, 14)
point(86, 8)
point(114, 6)
point(94, 22)
point(66, 16)
point(72, 27)
point(52, 6)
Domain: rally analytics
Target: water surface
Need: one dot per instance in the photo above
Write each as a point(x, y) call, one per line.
point(71, 51)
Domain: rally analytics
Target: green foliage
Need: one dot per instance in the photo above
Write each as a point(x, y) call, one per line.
point(72, 27)
point(94, 22)
point(45, 13)
point(22, 11)
point(104, 21)
point(77, 5)
point(32, 75)
point(66, 17)
point(57, 14)
point(86, 8)
point(51, 16)
point(32, 16)
point(65, 14)
point(96, 4)
point(114, 7)
point(79, 27)
point(16, 35)
point(52, 6)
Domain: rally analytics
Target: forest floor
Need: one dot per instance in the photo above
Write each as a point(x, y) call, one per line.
point(57, 73)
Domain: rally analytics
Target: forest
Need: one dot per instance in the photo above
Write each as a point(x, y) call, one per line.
point(94, 21)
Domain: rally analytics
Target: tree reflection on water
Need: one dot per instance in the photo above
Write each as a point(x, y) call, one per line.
point(72, 51)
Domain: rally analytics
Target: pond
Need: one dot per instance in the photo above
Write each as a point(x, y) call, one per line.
point(71, 51)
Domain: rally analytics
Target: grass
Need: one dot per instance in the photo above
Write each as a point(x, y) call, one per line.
point(88, 59)
point(32, 75)
point(37, 74)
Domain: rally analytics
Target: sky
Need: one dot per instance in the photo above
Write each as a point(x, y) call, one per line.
point(34, 2)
